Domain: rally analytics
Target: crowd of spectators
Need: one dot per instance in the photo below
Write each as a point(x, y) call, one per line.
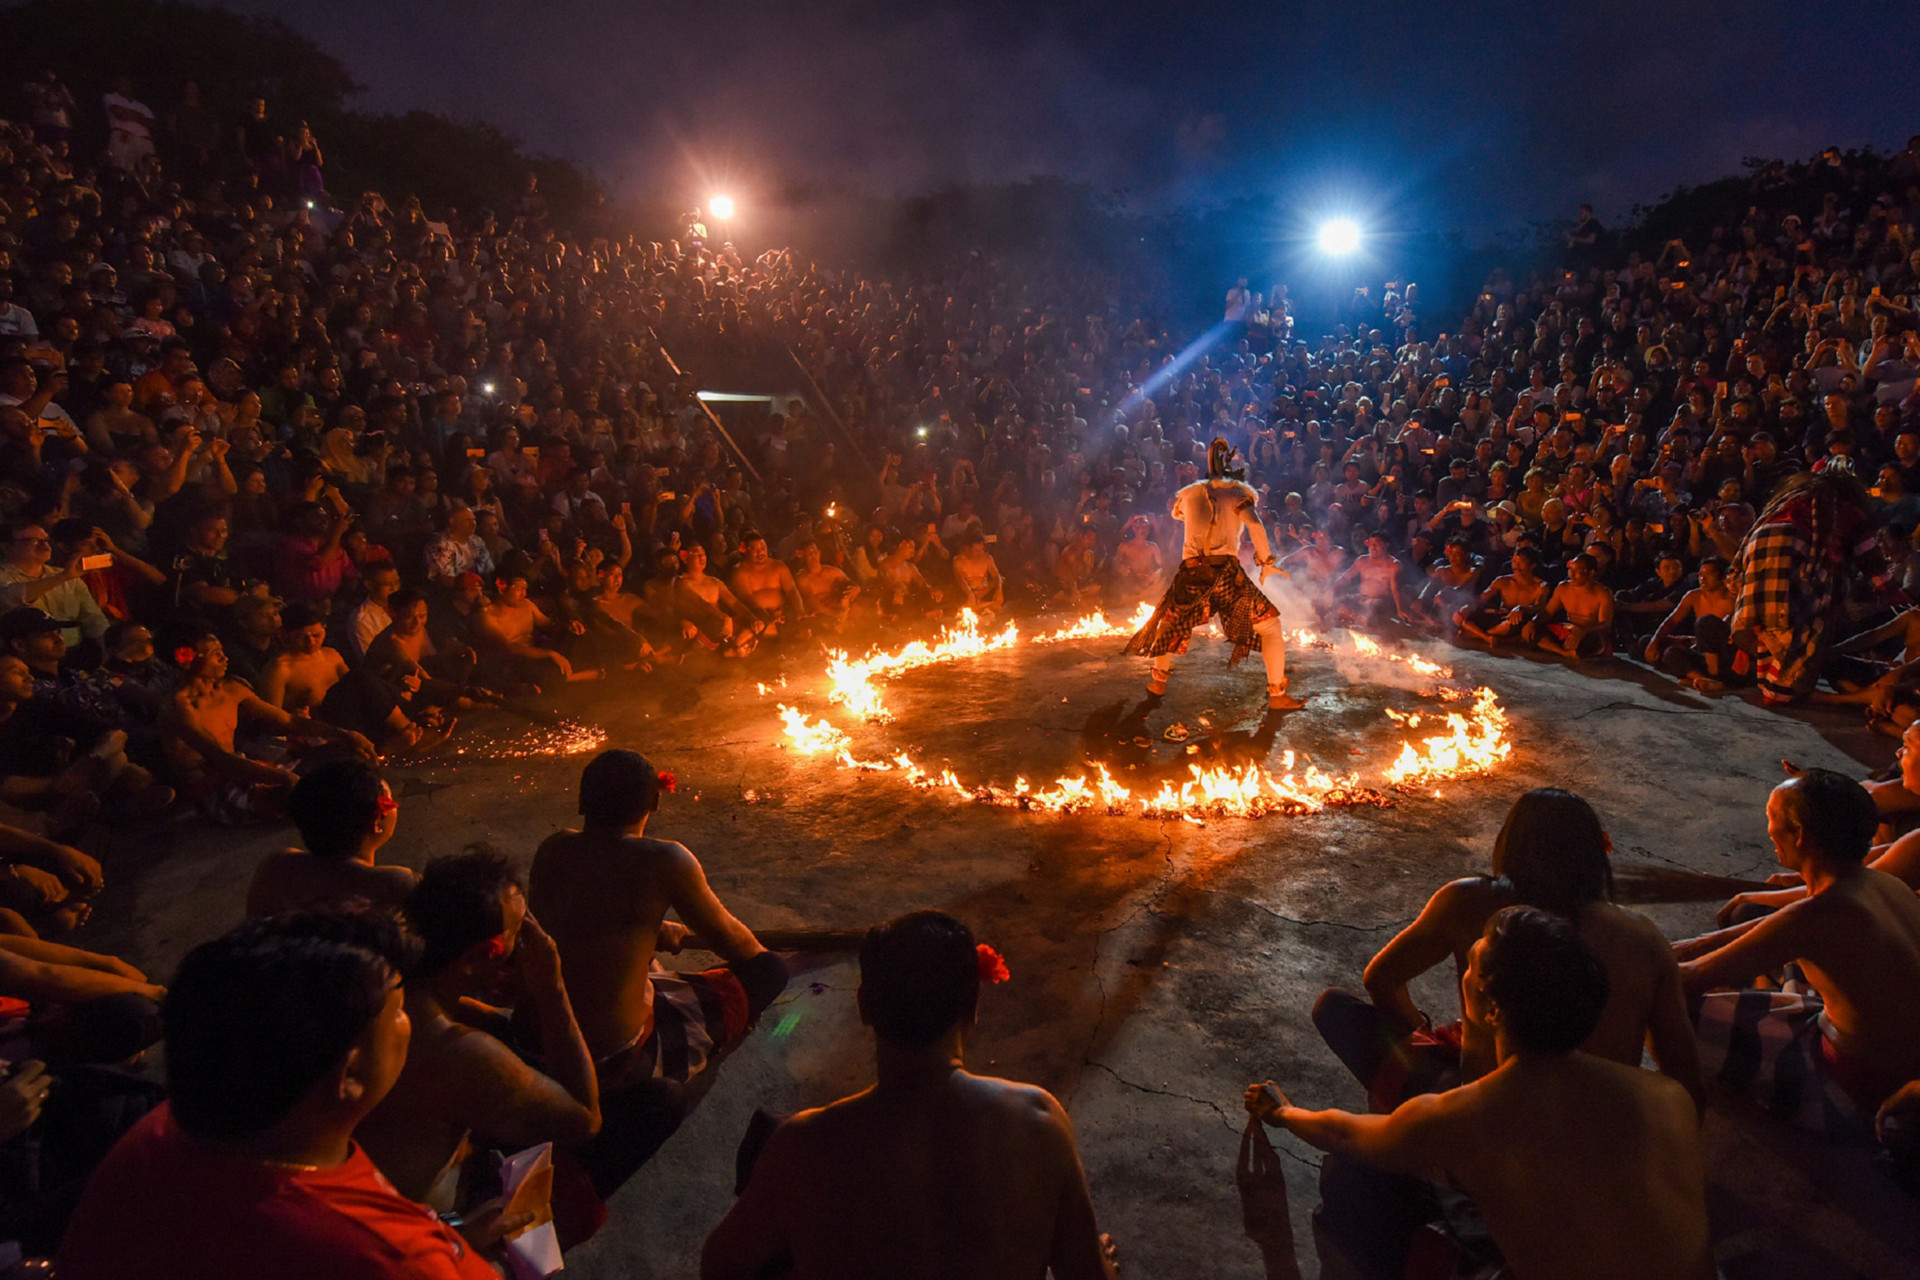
point(289, 484)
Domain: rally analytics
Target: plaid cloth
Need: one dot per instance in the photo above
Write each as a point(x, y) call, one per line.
point(1790, 590)
point(1206, 586)
point(696, 1016)
point(1771, 1046)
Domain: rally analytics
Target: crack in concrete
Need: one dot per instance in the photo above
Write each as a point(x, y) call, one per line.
point(1100, 941)
point(1635, 706)
point(1216, 1108)
point(1304, 923)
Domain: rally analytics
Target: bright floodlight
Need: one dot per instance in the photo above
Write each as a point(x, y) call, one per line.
point(1339, 237)
point(720, 206)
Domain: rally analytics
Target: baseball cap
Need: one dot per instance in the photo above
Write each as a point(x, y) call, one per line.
point(17, 624)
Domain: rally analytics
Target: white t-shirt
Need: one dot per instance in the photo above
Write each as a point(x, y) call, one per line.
point(17, 322)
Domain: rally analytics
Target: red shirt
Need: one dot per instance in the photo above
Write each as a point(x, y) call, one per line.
point(165, 1205)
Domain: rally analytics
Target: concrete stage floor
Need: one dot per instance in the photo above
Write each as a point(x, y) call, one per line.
point(1157, 967)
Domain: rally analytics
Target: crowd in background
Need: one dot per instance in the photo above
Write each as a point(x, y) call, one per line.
point(290, 483)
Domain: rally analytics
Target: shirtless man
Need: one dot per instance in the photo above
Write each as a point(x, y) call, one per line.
point(1319, 563)
point(1139, 568)
point(1888, 694)
point(603, 893)
point(932, 1170)
point(898, 582)
point(1583, 1168)
point(1452, 584)
point(1216, 514)
point(723, 622)
point(1702, 659)
point(1898, 857)
point(1075, 571)
point(1588, 609)
point(309, 677)
point(507, 626)
point(307, 667)
point(765, 584)
point(471, 915)
point(1509, 604)
point(1552, 853)
point(198, 728)
point(975, 572)
point(345, 814)
point(828, 592)
point(1856, 937)
point(619, 608)
point(1378, 574)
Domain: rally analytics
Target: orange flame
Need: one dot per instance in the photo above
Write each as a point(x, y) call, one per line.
point(1474, 742)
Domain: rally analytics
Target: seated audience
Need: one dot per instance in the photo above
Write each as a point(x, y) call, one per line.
point(1580, 1166)
point(1840, 1032)
point(1551, 854)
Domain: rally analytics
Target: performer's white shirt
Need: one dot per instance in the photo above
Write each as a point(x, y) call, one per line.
point(1210, 511)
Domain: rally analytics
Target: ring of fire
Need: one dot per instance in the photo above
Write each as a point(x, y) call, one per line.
point(1474, 741)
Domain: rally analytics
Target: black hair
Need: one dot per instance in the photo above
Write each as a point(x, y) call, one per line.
point(404, 598)
point(335, 806)
point(457, 904)
point(919, 975)
point(258, 1017)
point(1547, 984)
point(1552, 851)
point(618, 788)
point(1836, 815)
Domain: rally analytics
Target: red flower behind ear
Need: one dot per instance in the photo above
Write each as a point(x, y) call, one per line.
point(669, 783)
point(184, 655)
point(993, 969)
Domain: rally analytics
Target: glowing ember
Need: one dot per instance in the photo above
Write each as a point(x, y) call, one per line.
point(561, 738)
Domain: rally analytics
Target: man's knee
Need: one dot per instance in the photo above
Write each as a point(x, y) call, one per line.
point(763, 977)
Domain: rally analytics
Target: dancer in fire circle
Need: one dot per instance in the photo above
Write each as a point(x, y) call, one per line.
point(1211, 583)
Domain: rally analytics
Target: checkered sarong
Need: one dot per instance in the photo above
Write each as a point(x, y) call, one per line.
point(696, 1016)
point(1770, 1046)
point(1206, 587)
point(1786, 598)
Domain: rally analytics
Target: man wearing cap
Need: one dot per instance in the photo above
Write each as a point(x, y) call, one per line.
point(27, 577)
point(1211, 583)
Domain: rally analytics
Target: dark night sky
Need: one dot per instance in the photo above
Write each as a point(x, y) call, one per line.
point(1476, 115)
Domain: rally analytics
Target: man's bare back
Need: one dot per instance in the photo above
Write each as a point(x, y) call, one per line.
point(960, 1177)
point(1861, 951)
point(1643, 979)
point(602, 896)
point(294, 880)
point(1584, 1169)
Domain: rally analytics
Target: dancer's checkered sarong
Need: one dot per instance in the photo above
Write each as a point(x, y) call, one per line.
point(1770, 1045)
point(1206, 587)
